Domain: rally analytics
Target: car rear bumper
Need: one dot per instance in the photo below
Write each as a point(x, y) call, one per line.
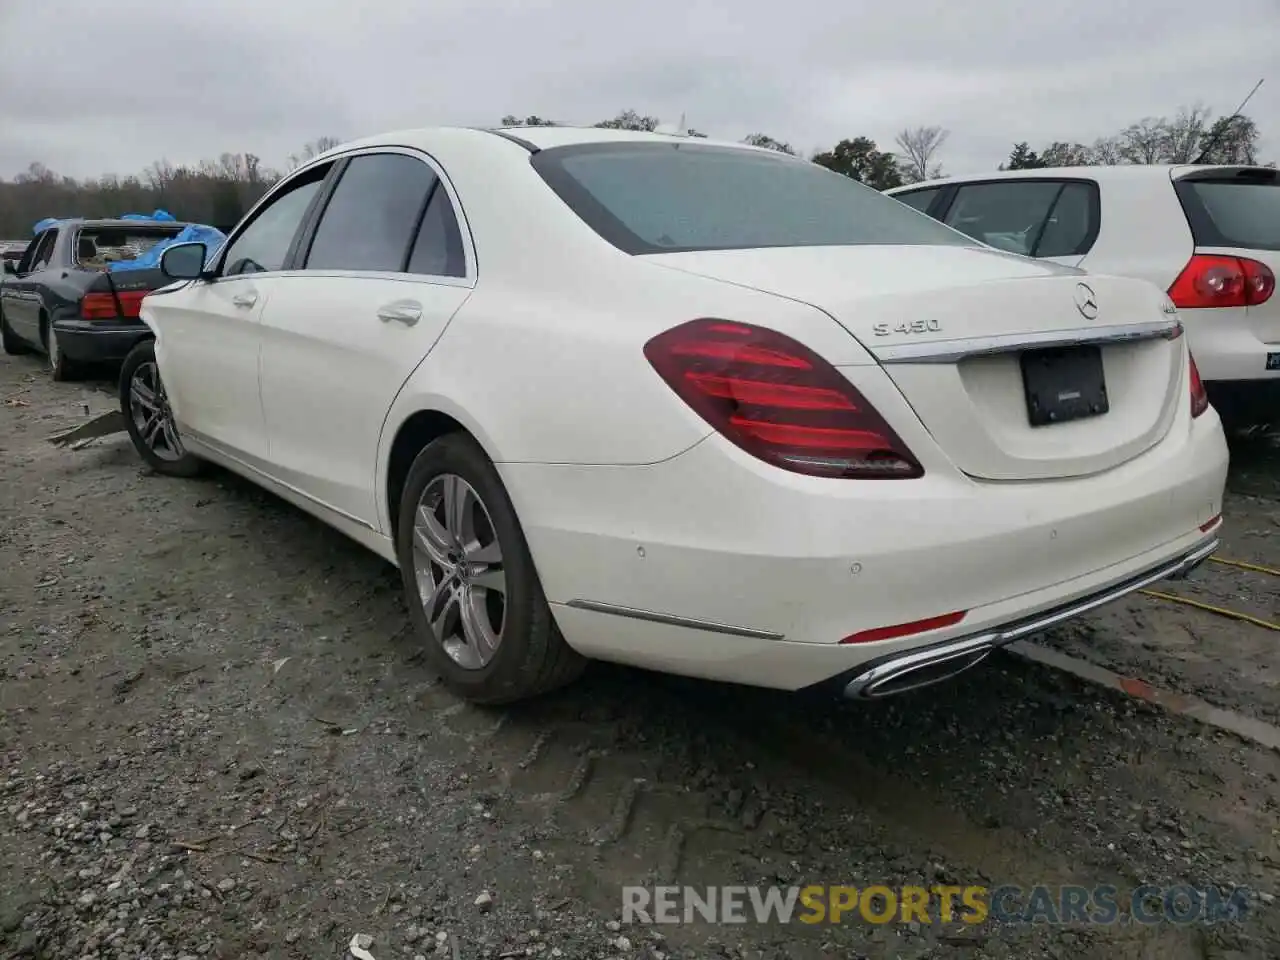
point(902, 672)
point(711, 564)
point(99, 341)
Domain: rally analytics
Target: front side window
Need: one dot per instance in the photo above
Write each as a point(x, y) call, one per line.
point(263, 245)
point(649, 198)
point(373, 216)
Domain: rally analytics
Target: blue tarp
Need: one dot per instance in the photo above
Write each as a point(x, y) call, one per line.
point(194, 233)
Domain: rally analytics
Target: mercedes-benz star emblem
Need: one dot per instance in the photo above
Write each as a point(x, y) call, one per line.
point(1086, 302)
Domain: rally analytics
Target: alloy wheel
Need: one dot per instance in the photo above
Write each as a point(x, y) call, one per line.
point(457, 562)
point(149, 407)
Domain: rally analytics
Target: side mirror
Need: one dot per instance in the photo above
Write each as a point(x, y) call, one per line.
point(10, 266)
point(184, 261)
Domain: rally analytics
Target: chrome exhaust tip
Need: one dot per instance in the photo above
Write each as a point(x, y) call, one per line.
point(913, 671)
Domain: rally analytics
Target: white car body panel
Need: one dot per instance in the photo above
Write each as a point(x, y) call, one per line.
point(657, 541)
point(1144, 233)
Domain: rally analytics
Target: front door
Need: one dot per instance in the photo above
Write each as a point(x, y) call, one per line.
point(208, 332)
point(22, 300)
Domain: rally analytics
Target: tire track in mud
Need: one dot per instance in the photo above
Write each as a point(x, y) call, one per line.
point(625, 801)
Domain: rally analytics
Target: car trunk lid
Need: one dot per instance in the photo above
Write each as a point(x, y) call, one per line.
point(981, 343)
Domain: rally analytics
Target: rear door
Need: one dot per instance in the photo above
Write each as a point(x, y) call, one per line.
point(380, 275)
point(1049, 219)
point(1234, 214)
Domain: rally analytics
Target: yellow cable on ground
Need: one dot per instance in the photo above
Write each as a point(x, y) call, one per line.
point(1245, 565)
point(1220, 611)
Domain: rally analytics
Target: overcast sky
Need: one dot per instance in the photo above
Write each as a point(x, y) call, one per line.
point(88, 87)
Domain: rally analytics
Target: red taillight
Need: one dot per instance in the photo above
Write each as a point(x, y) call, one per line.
point(1199, 398)
point(1210, 280)
point(102, 306)
point(779, 401)
point(906, 629)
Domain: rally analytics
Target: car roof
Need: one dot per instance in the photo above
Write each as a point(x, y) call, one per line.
point(115, 222)
point(534, 138)
point(1102, 174)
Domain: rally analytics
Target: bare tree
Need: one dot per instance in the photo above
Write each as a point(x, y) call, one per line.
point(312, 150)
point(1144, 141)
point(918, 147)
point(1107, 151)
point(1185, 133)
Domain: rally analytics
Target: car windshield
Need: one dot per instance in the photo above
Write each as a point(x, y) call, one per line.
point(664, 198)
point(1242, 212)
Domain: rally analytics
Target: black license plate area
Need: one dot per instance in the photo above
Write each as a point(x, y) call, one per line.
point(1064, 384)
point(1273, 360)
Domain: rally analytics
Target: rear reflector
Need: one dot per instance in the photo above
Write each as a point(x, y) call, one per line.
point(1206, 527)
point(102, 306)
point(779, 401)
point(1211, 280)
point(906, 629)
point(1199, 397)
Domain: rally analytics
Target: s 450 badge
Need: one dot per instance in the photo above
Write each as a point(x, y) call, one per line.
point(915, 326)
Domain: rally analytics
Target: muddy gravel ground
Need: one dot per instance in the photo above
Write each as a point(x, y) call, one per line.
point(219, 740)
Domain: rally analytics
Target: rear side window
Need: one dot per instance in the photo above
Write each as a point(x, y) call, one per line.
point(1240, 212)
point(919, 199)
point(1034, 218)
point(373, 215)
point(664, 198)
point(437, 252)
point(43, 252)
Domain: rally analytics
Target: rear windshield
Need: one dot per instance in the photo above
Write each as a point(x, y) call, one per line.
point(666, 198)
point(98, 246)
point(1240, 212)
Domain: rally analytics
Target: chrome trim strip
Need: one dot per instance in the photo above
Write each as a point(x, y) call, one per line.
point(954, 350)
point(864, 685)
point(710, 626)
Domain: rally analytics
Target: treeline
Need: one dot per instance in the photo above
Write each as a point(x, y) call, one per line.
point(219, 192)
point(216, 192)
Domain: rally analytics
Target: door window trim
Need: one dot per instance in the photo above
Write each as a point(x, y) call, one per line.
point(280, 189)
point(1095, 207)
point(298, 255)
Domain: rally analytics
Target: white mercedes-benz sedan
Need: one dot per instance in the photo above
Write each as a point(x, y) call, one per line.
point(688, 405)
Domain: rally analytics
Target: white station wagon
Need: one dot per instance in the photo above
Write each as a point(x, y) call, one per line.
point(692, 406)
point(1209, 235)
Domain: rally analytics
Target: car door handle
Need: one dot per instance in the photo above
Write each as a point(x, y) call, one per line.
point(245, 299)
point(407, 312)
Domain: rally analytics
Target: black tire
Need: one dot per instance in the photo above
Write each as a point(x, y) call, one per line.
point(61, 367)
point(175, 462)
point(9, 340)
point(531, 656)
